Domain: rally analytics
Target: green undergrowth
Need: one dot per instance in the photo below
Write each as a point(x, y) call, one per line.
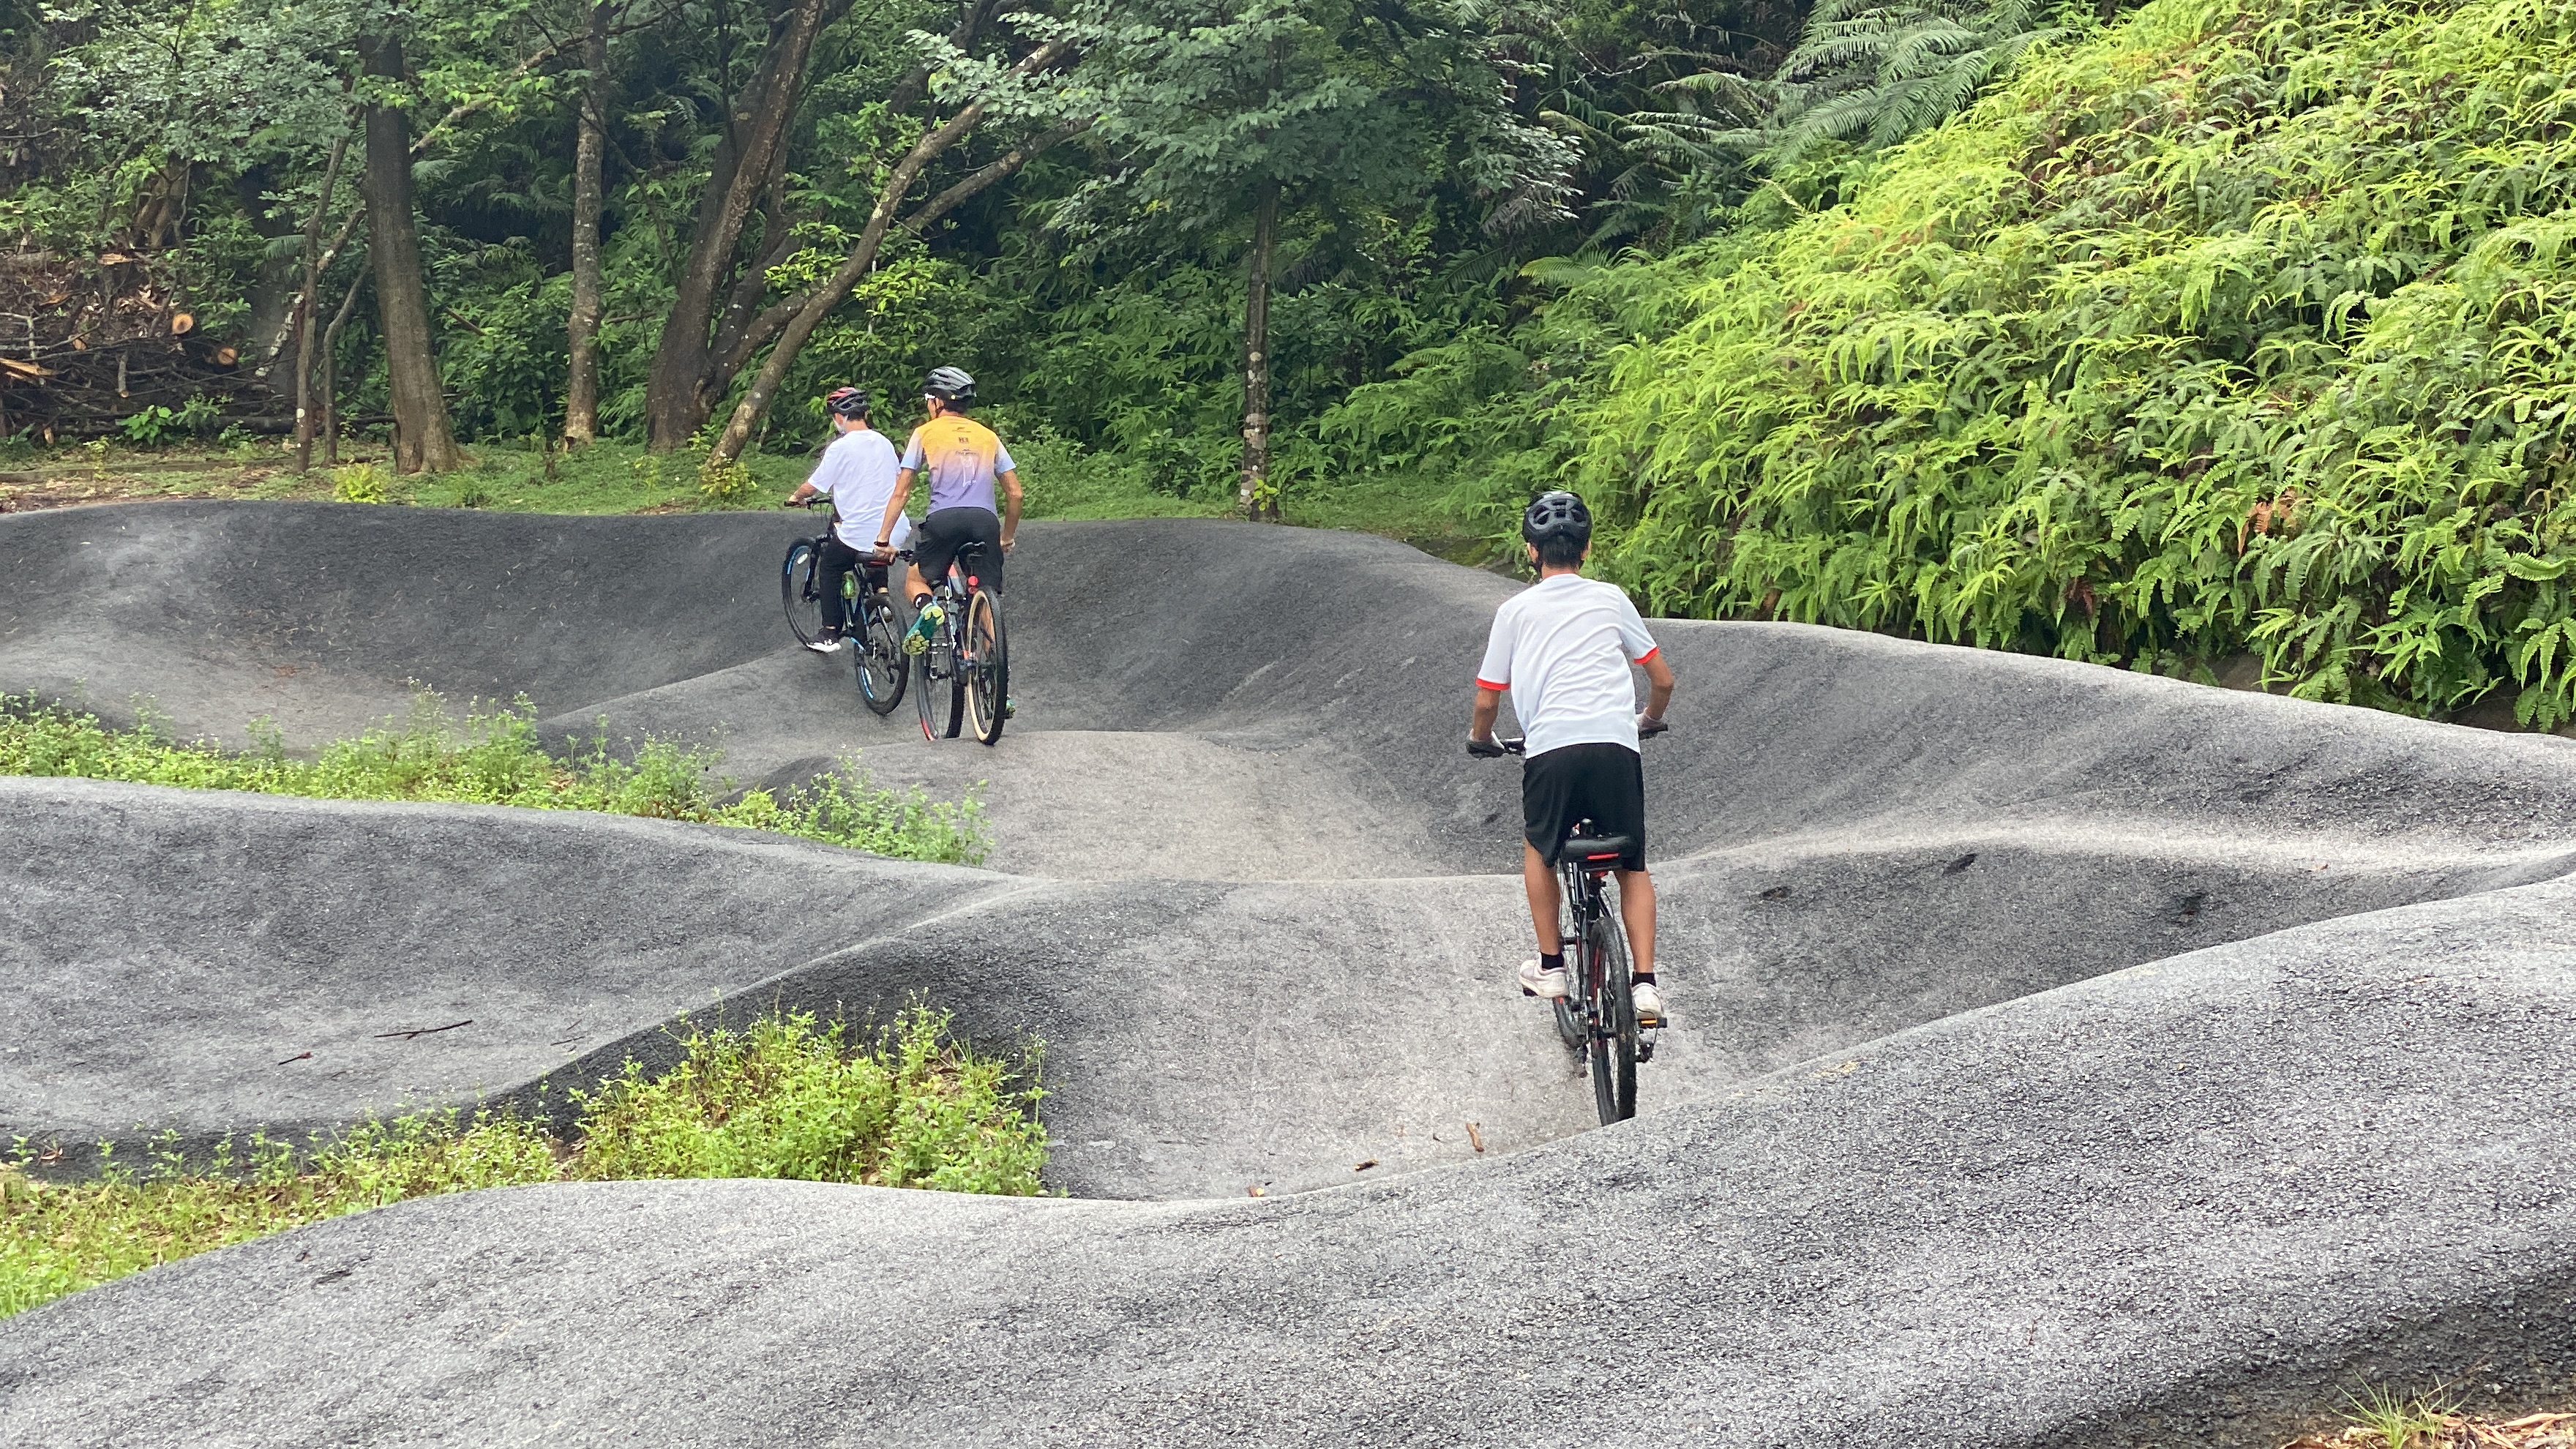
point(2248, 326)
point(787, 1096)
point(495, 758)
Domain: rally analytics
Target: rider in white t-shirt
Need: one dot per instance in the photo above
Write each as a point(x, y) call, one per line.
point(858, 470)
point(1563, 647)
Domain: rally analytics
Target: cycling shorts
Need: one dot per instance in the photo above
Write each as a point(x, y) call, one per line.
point(1602, 783)
point(936, 543)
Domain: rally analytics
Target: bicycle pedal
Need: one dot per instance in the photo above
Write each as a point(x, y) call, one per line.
point(1525, 991)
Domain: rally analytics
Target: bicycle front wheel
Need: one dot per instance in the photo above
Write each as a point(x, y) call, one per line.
point(877, 654)
point(985, 666)
point(1613, 1055)
point(801, 592)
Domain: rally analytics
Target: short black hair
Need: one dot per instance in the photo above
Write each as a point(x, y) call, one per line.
point(1561, 550)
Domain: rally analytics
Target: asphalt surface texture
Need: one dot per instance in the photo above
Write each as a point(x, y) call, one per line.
point(2062, 1056)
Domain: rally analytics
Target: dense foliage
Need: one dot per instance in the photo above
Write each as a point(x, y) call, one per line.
point(786, 1096)
point(2241, 327)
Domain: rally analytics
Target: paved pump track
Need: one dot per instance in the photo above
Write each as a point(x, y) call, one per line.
point(2063, 1056)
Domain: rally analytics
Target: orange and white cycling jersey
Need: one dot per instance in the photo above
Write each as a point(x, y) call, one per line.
point(963, 459)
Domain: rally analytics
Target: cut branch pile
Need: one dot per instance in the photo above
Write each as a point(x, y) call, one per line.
point(85, 344)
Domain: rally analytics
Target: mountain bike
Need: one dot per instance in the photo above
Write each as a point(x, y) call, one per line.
point(964, 677)
point(1598, 1016)
point(875, 640)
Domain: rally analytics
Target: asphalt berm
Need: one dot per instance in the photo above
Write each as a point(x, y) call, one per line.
point(2062, 1057)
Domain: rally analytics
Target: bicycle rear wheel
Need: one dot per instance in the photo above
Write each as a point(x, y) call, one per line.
point(986, 668)
point(937, 690)
point(1569, 1011)
point(1613, 1056)
point(876, 653)
point(801, 592)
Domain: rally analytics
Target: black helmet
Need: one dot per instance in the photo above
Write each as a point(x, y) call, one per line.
point(949, 385)
point(1556, 515)
point(847, 402)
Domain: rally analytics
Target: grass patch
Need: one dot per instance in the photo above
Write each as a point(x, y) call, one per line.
point(495, 758)
point(786, 1097)
point(2377, 1417)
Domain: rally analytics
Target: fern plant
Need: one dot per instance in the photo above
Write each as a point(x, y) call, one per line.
point(2246, 326)
point(1871, 75)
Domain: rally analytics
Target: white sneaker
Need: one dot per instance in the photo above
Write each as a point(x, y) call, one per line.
point(1538, 981)
point(827, 644)
point(1650, 1003)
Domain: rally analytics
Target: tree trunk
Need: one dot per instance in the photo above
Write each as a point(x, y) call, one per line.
point(331, 371)
point(424, 441)
point(1256, 497)
point(746, 164)
point(307, 300)
point(581, 400)
point(820, 302)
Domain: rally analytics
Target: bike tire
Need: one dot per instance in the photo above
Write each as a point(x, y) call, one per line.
point(1569, 1013)
point(987, 671)
point(1613, 1056)
point(937, 691)
point(876, 655)
point(800, 592)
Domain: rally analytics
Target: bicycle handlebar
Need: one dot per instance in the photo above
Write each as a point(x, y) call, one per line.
point(1503, 745)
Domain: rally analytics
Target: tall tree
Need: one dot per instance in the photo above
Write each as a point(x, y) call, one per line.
point(590, 148)
point(750, 159)
point(810, 308)
point(307, 300)
point(424, 441)
point(1223, 112)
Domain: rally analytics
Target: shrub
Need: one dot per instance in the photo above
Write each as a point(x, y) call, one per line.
point(2242, 327)
point(495, 758)
point(361, 483)
point(787, 1096)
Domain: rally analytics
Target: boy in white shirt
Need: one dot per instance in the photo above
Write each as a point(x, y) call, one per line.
point(1563, 647)
point(858, 471)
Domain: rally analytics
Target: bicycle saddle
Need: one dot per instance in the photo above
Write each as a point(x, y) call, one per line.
point(1594, 847)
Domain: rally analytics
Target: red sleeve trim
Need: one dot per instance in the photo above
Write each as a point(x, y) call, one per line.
point(1483, 683)
point(1649, 654)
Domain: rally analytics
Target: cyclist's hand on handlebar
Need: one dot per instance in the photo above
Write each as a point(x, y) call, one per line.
point(1648, 726)
point(1006, 545)
point(1487, 748)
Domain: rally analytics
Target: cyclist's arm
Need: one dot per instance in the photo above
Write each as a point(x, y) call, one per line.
point(1659, 683)
point(894, 508)
point(1010, 518)
point(1489, 705)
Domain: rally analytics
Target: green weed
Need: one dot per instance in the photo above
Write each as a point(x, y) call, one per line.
point(787, 1097)
point(495, 758)
point(2398, 1422)
point(361, 483)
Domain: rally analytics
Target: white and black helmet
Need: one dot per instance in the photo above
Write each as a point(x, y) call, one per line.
point(949, 385)
point(1556, 514)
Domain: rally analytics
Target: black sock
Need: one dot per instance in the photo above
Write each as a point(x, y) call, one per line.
point(1642, 978)
point(1547, 962)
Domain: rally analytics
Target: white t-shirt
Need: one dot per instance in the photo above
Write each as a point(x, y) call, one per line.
point(858, 471)
point(1562, 646)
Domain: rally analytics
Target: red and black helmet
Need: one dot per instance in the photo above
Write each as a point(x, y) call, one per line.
point(847, 402)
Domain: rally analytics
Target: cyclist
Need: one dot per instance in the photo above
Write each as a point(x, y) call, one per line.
point(964, 461)
point(858, 470)
point(1563, 647)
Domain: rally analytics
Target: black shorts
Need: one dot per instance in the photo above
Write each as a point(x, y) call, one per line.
point(936, 542)
point(1605, 784)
